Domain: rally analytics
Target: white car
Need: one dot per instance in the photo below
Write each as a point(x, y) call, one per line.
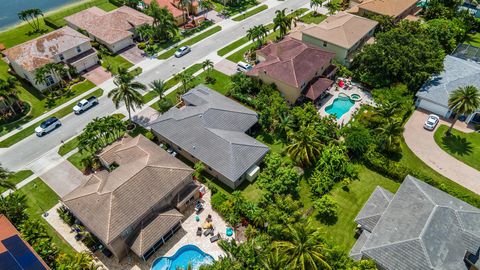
point(243, 67)
point(432, 122)
point(47, 126)
point(182, 51)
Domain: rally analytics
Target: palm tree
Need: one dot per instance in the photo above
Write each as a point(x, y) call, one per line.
point(158, 86)
point(463, 101)
point(315, 4)
point(387, 109)
point(274, 260)
point(31, 17)
point(282, 22)
point(164, 24)
point(14, 207)
point(303, 248)
point(57, 70)
point(4, 179)
point(9, 95)
point(305, 146)
point(333, 7)
point(207, 67)
point(185, 4)
point(206, 5)
point(184, 78)
point(126, 91)
point(389, 134)
point(144, 32)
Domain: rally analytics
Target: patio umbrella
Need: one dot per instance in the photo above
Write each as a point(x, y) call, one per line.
point(341, 83)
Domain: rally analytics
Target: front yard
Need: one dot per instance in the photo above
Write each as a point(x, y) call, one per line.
point(113, 62)
point(312, 18)
point(463, 146)
point(17, 177)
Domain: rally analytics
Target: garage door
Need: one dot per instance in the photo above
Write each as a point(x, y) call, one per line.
point(434, 108)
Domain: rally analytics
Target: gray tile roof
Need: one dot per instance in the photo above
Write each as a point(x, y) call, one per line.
point(457, 73)
point(422, 228)
point(211, 127)
point(374, 208)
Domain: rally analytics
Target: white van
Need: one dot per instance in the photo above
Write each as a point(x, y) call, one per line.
point(243, 67)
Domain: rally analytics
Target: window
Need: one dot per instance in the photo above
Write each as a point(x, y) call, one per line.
point(324, 44)
point(61, 57)
point(49, 80)
point(78, 49)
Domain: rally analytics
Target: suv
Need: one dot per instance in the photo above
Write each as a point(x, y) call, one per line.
point(182, 51)
point(47, 126)
point(243, 67)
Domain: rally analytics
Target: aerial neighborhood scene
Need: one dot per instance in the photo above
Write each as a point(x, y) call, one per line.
point(239, 134)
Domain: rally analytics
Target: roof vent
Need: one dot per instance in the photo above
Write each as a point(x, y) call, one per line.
point(194, 147)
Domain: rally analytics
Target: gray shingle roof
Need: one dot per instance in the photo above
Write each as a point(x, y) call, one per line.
point(423, 228)
point(457, 73)
point(374, 208)
point(211, 127)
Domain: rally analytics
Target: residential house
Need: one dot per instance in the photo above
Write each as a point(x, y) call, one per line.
point(294, 67)
point(434, 94)
point(114, 29)
point(398, 9)
point(211, 128)
point(136, 204)
point(419, 227)
point(175, 7)
point(343, 34)
point(16, 253)
point(64, 45)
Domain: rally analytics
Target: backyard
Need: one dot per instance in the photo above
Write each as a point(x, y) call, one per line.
point(473, 39)
point(463, 146)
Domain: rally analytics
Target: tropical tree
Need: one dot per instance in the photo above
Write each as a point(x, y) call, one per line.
point(206, 5)
point(9, 97)
point(56, 70)
point(333, 7)
point(207, 67)
point(463, 101)
point(80, 261)
point(159, 88)
point(31, 16)
point(282, 22)
point(144, 31)
point(4, 179)
point(14, 207)
point(274, 260)
point(315, 4)
point(98, 134)
point(164, 25)
point(254, 34)
point(186, 4)
point(305, 146)
point(184, 78)
point(126, 91)
point(131, 3)
point(389, 134)
point(303, 247)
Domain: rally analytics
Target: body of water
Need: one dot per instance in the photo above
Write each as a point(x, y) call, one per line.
point(10, 8)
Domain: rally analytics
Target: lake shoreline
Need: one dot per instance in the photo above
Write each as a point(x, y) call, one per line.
point(49, 12)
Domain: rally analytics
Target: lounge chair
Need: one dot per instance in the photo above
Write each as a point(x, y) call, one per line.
point(206, 232)
point(199, 231)
point(215, 238)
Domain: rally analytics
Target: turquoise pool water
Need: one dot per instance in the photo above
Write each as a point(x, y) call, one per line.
point(340, 106)
point(184, 255)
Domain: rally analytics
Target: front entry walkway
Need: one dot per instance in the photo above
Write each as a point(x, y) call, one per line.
point(422, 143)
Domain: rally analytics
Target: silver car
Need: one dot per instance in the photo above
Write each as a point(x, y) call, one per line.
point(432, 122)
point(47, 126)
point(182, 51)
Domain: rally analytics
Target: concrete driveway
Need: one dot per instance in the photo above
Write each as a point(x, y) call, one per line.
point(63, 178)
point(227, 67)
point(422, 143)
point(133, 54)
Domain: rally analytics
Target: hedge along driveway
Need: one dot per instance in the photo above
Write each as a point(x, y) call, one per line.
point(250, 13)
point(31, 129)
point(191, 41)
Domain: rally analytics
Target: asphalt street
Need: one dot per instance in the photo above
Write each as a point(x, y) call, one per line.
point(33, 148)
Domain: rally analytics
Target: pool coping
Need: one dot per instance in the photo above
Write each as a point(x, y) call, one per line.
point(176, 255)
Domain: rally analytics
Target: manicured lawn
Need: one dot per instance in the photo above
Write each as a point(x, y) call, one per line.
point(41, 198)
point(274, 144)
point(68, 146)
point(17, 177)
point(473, 39)
point(238, 55)
point(22, 33)
point(191, 41)
point(76, 160)
point(30, 130)
point(250, 13)
point(463, 146)
point(232, 46)
point(113, 62)
point(232, 10)
point(311, 18)
point(350, 202)
point(221, 84)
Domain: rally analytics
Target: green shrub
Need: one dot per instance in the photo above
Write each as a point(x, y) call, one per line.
point(141, 45)
point(66, 215)
point(326, 207)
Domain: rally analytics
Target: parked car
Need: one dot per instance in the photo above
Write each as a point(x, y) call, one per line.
point(85, 104)
point(182, 51)
point(243, 67)
point(432, 122)
point(47, 126)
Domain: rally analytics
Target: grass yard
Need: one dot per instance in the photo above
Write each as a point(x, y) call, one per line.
point(250, 13)
point(113, 62)
point(313, 18)
point(191, 41)
point(41, 198)
point(58, 16)
point(31, 129)
point(473, 39)
point(238, 55)
point(463, 146)
point(232, 46)
point(221, 84)
point(68, 147)
point(17, 177)
point(350, 202)
point(232, 10)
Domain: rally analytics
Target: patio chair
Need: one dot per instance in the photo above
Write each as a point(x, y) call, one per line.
point(199, 231)
point(207, 232)
point(215, 238)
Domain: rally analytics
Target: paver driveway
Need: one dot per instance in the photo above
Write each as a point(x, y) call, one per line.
point(422, 143)
point(97, 75)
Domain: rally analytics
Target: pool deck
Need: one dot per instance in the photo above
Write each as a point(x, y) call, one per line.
point(333, 93)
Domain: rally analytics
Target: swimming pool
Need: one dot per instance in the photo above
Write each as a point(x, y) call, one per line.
point(340, 106)
point(184, 255)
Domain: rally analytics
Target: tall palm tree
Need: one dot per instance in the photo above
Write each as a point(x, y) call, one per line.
point(254, 34)
point(9, 95)
point(126, 91)
point(144, 32)
point(315, 4)
point(56, 70)
point(389, 134)
point(4, 179)
point(463, 101)
point(387, 109)
point(305, 146)
point(14, 207)
point(207, 66)
point(206, 5)
point(185, 4)
point(31, 16)
point(303, 248)
point(184, 78)
point(158, 86)
point(333, 7)
point(274, 260)
point(282, 22)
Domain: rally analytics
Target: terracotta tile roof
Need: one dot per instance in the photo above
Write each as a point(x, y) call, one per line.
point(319, 87)
point(109, 202)
point(342, 29)
point(176, 12)
point(291, 61)
point(392, 8)
point(40, 51)
point(110, 26)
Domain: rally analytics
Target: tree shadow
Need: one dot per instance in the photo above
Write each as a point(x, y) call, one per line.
point(457, 145)
point(327, 220)
point(40, 32)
